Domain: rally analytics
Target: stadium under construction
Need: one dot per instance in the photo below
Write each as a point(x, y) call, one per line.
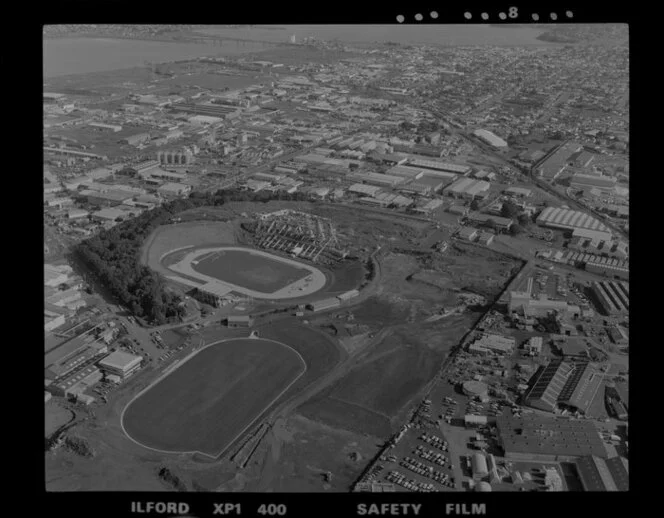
point(299, 234)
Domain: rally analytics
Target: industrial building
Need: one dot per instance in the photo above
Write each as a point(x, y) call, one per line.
point(72, 354)
point(486, 238)
point(322, 305)
point(537, 438)
point(386, 199)
point(556, 162)
point(406, 172)
point(563, 384)
point(473, 420)
point(53, 320)
point(120, 364)
point(108, 214)
point(499, 223)
point(534, 345)
point(215, 293)
point(468, 233)
point(570, 347)
point(367, 190)
point(490, 138)
point(475, 389)
point(566, 219)
point(459, 210)
point(600, 265)
point(76, 382)
point(436, 165)
point(428, 206)
point(605, 184)
point(612, 296)
point(217, 111)
point(240, 321)
point(519, 192)
point(174, 189)
point(56, 275)
point(599, 474)
point(424, 186)
point(492, 343)
point(136, 139)
point(479, 466)
point(106, 199)
point(382, 180)
point(596, 236)
point(522, 303)
point(467, 188)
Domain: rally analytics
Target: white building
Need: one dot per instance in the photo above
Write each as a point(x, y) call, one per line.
point(120, 364)
point(490, 138)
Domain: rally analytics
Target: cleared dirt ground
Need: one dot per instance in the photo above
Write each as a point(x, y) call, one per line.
point(55, 417)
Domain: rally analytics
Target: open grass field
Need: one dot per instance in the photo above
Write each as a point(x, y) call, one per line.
point(168, 238)
point(344, 277)
point(210, 400)
point(389, 375)
point(253, 271)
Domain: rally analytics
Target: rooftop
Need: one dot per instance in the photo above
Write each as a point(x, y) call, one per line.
point(120, 360)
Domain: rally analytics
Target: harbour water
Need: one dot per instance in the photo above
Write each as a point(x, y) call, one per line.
point(65, 56)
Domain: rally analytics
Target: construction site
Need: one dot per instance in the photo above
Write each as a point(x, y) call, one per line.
point(298, 234)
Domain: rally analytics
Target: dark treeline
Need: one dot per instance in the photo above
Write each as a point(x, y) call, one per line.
point(114, 255)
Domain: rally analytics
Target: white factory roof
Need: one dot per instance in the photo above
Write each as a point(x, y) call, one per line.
point(491, 138)
point(360, 188)
point(405, 171)
point(120, 360)
point(565, 218)
point(468, 185)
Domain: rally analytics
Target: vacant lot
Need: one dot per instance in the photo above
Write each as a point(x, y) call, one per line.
point(253, 271)
point(346, 416)
point(388, 376)
point(56, 416)
point(345, 277)
point(206, 403)
point(172, 237)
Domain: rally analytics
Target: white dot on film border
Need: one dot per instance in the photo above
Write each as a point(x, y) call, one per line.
point(569, 14)
point(535, 16)
point(419, 17)
point(554, 16)
point(467, 15)
point(485, 16)
point(502, 16)
point(400, 18)
point(434, 14)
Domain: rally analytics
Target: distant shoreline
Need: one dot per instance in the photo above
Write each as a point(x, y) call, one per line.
point(110, 36)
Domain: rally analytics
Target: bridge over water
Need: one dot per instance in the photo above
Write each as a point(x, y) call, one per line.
point(221, 40)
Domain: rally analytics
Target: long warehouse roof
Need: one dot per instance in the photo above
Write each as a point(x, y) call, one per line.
point(556, 216)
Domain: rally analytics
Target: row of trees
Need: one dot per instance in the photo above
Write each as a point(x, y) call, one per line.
point(113, 255)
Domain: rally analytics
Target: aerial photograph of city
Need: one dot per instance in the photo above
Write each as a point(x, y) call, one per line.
point(336, 258)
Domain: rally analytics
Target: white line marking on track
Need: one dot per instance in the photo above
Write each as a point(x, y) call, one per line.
point(173, 368)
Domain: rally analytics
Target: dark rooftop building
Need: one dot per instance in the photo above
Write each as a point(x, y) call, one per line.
point(533, 437)
point(564, 384)
point(555, 163)
point(572, 348)
point(599, 474)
